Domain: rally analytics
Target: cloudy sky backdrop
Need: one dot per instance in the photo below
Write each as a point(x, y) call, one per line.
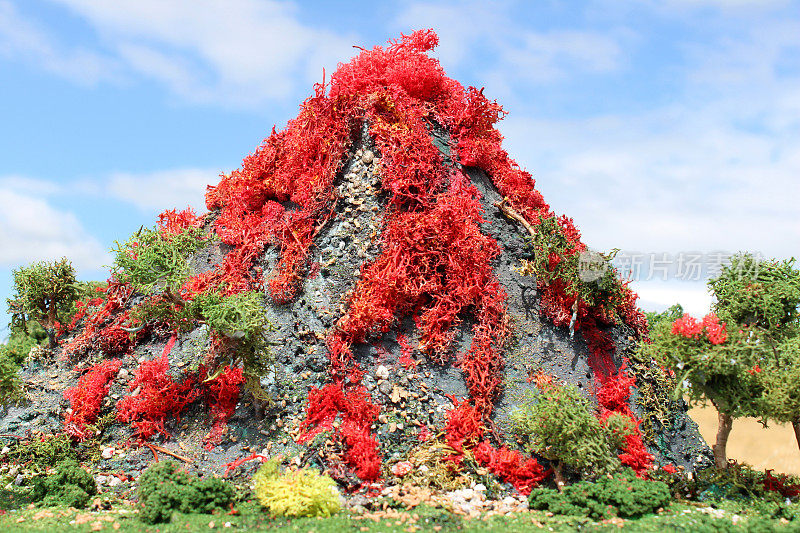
point(661, 126)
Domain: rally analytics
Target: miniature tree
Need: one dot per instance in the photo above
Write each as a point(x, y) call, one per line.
point(762, 297)
point(44, 293)
point(720, 359)
point(559, 424)
point(782, 394)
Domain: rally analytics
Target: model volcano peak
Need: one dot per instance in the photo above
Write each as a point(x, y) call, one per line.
point(395, 239)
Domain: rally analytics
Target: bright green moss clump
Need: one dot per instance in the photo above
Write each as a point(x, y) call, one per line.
point(295, 493)
point(622, 494)
point(164, 489)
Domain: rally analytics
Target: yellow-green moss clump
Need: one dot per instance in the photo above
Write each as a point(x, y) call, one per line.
point(295, 493)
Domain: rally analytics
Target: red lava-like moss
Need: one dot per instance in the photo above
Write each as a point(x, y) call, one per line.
point(357, 414)
point(86, 398)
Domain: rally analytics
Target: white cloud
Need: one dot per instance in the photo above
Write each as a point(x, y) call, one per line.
point(530, 56)
point(657, 296)
point(29, 185)
point(22, 40)
point(168, 189)
point(450, 20)
point(553, 56)
point(240, 52)
point(32, 229)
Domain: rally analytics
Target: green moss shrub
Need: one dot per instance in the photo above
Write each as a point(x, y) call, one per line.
point(154, 261)
point(164, 488)
point(295, 493)
point(70, 486)
point(621, 494)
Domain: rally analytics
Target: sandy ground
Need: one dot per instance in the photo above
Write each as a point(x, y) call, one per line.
point(749, 442)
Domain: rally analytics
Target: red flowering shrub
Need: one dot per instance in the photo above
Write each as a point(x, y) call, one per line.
point(714, 329)
point(87, 396)
point(689, 327)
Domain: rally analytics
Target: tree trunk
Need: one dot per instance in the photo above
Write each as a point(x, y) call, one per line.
point(558, 473)
point(796, 426)
point(723, 430)
point(52, 318)
point(174, 298)
point(51, 338)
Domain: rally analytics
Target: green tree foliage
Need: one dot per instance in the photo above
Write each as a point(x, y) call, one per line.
point(758, 293)
point(164, 488)
point(12, 355)
point(670, 315)
point(44, 292)
point(156, 262)
point(70, 486)
point(10, 385)
point(762, 297)
point(559, 424)
point(295, 493)
point(743, 356)
point(621, 494)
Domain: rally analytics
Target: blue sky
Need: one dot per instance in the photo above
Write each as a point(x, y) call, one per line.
point(660, 126)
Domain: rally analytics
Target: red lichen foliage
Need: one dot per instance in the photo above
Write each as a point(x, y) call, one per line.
point(172, 222)
point(780, 485)
point(159, 398)
point(222, 395)
point(356, 414)
point(524, 473)
point(103, 319)
point(613, 396)
point(86, 398)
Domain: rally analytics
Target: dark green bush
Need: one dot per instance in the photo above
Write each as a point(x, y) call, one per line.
point(164, 488)
point(621, 494)
point(70, 486)
point(738, 482)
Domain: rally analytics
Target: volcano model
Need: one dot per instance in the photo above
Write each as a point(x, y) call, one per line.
point(379, 280)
